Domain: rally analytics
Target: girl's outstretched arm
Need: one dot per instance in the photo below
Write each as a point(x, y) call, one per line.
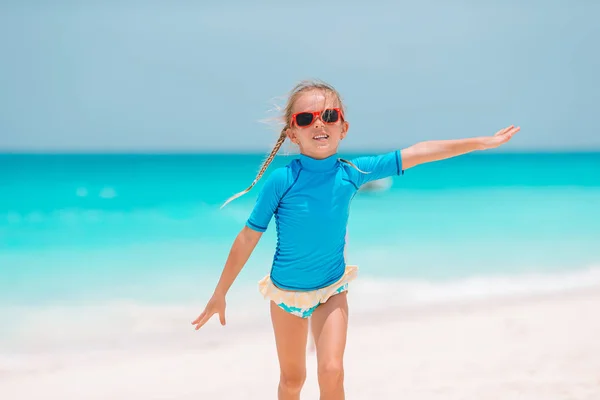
point(242, 248)
point(435, 150)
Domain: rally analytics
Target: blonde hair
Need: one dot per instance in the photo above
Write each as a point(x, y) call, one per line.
point(302, 87)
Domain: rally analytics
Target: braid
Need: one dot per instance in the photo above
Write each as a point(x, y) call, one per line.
point(263, 167)
point(353, 166)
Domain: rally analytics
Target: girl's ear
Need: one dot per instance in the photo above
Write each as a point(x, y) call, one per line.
point(291, 135)
point(345, 127)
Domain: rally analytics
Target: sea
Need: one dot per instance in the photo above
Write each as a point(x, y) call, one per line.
point(105, 251)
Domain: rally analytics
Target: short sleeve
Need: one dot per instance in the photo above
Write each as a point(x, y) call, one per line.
point(377, 167)
point(268, 200)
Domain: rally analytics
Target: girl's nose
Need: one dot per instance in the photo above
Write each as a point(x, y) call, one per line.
point(318, 122)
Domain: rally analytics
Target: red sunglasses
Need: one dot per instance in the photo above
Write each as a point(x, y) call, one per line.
point(328, 116)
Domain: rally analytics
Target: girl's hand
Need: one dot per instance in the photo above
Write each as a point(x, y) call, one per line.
point(216, 305)
point(501, 137)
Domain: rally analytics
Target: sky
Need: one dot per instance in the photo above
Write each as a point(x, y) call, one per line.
point(151, 76)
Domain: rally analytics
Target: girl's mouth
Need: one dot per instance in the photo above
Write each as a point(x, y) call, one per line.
point(321, 137)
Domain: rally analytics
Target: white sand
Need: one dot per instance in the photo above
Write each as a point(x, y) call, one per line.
point(541, 348)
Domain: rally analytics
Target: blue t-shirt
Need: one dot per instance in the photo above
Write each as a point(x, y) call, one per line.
point(310, 199)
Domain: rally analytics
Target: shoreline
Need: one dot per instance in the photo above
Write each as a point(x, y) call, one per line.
point(543, 346)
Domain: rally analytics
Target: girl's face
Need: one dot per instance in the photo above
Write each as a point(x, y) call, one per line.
point(317, 124)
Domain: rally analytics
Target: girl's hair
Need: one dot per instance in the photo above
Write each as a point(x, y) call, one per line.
point(302, 87)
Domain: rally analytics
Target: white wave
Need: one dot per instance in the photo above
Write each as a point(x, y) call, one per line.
point(71, 215)
point(373, 293)
point(378, 185)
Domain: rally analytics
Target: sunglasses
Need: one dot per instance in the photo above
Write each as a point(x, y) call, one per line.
point(328, 116)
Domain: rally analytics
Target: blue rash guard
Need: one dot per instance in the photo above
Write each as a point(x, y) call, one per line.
point(310, 199)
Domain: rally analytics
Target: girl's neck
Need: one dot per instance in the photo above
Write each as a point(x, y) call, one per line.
point(321, 156)
point(318, 164)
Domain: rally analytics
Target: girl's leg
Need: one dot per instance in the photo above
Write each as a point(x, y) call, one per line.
point(290, 337)
point(311, 339)
point(330, 326)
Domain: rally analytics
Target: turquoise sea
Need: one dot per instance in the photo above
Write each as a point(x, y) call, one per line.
point(99, 230)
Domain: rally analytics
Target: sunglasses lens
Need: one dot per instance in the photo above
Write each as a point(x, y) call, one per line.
point(304, 119)
point(330, 116)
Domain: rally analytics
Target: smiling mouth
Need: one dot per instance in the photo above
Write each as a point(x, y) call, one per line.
point(321, 137)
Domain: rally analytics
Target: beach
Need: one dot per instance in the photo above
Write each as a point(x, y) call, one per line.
point(528, 347)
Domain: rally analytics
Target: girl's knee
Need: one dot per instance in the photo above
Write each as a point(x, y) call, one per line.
point(331, 371)
point(292, 380)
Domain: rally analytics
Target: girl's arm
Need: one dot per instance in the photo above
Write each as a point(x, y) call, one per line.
point(242, 248)
point(240, 252)
point(436, 150)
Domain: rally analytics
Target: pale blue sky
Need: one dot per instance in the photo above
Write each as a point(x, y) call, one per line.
point(150, 76)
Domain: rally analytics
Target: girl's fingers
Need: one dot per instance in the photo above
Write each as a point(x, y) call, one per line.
point(504, 131)
point(199, 318)
point(509, 134)
point(203, 321)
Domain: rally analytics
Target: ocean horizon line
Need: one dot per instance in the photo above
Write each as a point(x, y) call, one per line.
point(262, 153)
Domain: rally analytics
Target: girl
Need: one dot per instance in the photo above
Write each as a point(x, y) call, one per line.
point(310, 199)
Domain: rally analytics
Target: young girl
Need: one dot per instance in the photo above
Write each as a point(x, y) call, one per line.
point(310, 199)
